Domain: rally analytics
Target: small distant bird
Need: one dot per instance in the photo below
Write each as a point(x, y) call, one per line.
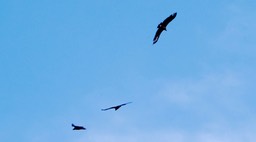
point(162, 26)
point(116, 107)
point(78, 127)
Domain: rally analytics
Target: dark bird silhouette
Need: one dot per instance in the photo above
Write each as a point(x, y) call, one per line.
point(116, 107)
point(78, 127)
point(162, 26)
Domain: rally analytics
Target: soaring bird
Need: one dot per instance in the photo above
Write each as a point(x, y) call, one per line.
point(162, 26)
point(78, 127)
point(116, 107)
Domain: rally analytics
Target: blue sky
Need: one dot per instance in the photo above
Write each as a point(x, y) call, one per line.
point(63, 61)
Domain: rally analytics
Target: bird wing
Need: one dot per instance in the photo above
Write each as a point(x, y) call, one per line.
point(157, 35)
point(81, 127)
point(125, 103)
point(107, 108)
point(73, 125)
point(169, 19)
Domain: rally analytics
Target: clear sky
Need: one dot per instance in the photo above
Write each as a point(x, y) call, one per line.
point(61, 62)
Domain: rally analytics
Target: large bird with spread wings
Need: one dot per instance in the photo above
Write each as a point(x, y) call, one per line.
point(116, 107)
point(162, 26)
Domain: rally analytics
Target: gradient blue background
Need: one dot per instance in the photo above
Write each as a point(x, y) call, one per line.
point(63, 61)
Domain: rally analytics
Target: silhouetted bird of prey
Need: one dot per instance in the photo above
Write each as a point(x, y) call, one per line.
point(116, 107)
point(78, 127)
point(162, 26)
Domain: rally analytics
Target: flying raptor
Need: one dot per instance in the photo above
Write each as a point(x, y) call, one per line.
point(162, 26)
point(78, 127)
point(116, 107)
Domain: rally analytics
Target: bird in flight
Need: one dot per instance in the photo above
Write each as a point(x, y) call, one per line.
point(78, 127)
point(162, 26)
point(116, 107)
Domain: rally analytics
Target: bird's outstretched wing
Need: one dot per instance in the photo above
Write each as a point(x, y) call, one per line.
point(108, 108)
point(125, 103)
point(157, 35)
point(169, 19)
